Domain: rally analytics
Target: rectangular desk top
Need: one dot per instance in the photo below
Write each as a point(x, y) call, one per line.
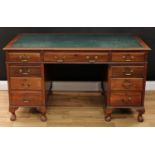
point(59, 41)
point(29, 71)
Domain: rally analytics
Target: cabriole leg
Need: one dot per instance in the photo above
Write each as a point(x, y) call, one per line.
point(140, 115)
point(13, 114)
point(43, 117)
point(108, 113)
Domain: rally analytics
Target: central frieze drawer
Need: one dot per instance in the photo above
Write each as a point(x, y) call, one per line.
point(127, 84)
point(21, 83)
point(26, 98)
point(23, 57)
point(25, 71)
point(128, 57)
point(60, 57)
point(125, 99)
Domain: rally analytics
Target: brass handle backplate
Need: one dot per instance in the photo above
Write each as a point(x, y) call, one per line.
point(127, 100)
point(128, 72)
point(24, 58)
point(128, 58)
point(24, 71)
point(92, 59)
point(59, 59)
point(27, 85)
point(127, 84)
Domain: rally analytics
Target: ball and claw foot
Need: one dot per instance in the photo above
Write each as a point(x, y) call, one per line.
point(108, 118)
point(140, 118)
point(13, 117)
point(43, 118)
point(140, 115)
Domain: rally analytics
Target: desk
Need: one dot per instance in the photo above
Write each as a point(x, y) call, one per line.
point(124, 55)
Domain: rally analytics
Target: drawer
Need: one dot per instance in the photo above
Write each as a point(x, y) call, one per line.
point(21, 83)
point(26, 98)
point(126, 99)
point(86, 57)
point(127, 84)
point(128, 71)
point(23, 57)
point(128, 57)
point(24, 71)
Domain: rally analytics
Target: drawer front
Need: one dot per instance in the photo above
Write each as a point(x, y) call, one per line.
point(127, 71)
point(23, 57)
point(128, 57)
point(24, 71)
point(76, 57)
point(28, 98)
point(127, 84)
point(25, 83)
point(126, 99)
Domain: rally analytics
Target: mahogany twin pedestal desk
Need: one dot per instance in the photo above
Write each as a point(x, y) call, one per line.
point(125, 58)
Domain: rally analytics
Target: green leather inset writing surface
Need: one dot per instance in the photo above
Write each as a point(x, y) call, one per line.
point(76, 41)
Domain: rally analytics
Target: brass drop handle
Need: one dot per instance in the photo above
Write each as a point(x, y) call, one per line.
point(24, 58)
point(24, 72)
point(128, 58)
point(128, 72)
point(92, 61)
point(127, 84)
point(26, 85)
point(60, 60)
point(25, 100)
